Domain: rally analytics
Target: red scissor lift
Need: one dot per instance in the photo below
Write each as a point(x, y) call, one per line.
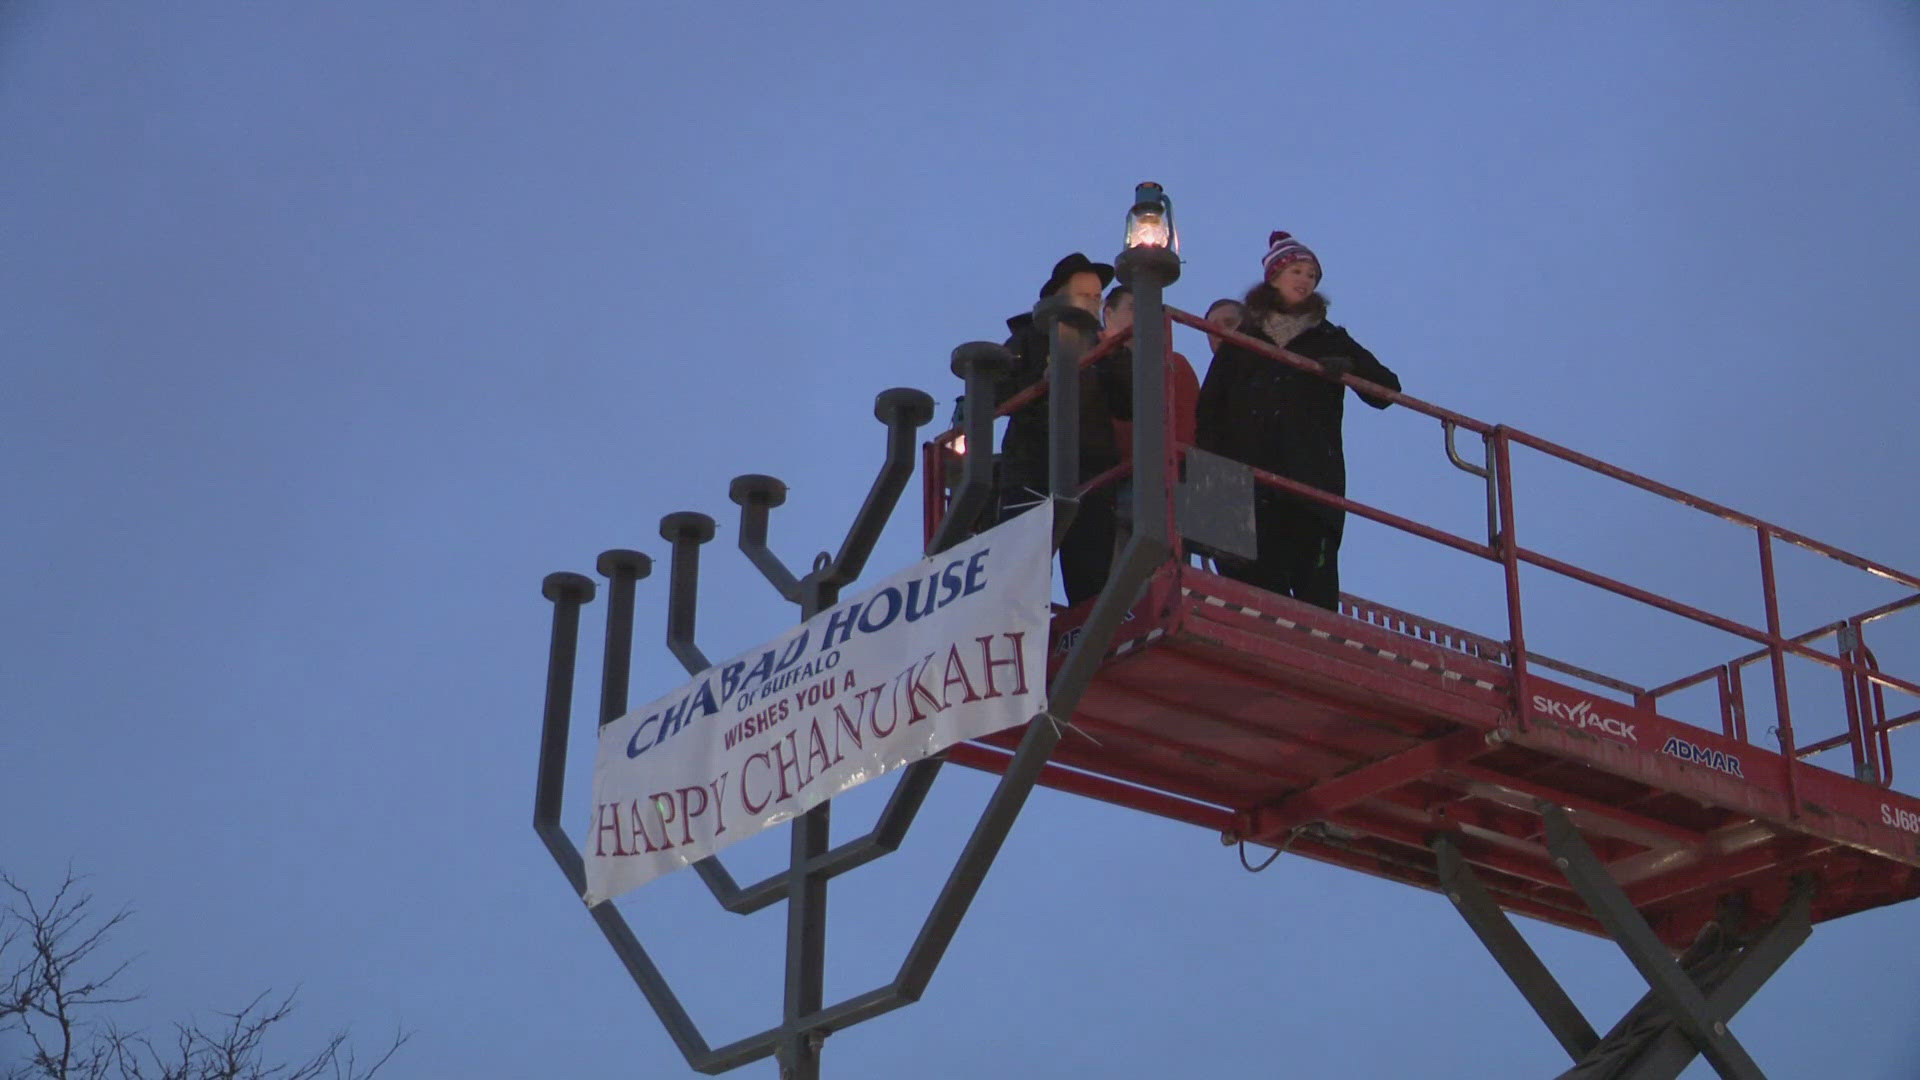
point(1389, 743)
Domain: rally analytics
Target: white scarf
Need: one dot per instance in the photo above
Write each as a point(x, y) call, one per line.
point(1282, 329)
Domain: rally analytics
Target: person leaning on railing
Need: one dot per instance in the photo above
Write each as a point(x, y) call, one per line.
point(1287, 421)
point(1225, 312)
point(1086, 552)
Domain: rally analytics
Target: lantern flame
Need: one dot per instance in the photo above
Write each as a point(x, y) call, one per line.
point(1150, 222)
point(1149, 229)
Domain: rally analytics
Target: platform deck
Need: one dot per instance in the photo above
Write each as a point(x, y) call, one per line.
point(1355, 743)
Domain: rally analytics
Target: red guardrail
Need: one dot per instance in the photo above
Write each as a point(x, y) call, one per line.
point(1863, 683)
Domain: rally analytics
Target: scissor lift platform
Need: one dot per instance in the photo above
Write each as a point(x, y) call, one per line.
point(1370, 740)
point(1395, 745)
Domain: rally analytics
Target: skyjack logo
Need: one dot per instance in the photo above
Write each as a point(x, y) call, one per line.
point(1581, 717)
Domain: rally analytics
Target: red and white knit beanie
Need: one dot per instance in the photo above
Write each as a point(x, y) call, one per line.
point(1282, 249)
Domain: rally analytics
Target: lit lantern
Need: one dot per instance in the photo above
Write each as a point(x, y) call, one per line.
point(1150, 222)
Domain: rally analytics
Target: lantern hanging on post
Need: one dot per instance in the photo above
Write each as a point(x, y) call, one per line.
point(1150, 222)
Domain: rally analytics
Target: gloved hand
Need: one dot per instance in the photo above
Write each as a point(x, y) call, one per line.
point(1335, 366)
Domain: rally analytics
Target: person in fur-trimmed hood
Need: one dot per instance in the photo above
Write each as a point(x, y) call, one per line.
point(1287, 421)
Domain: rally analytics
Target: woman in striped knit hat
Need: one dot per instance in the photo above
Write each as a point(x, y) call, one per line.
point(1287, 421)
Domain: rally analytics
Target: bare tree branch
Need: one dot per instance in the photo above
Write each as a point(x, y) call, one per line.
point(50, 992)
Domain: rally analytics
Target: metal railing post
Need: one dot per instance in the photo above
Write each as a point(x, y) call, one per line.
point(1852, 685)
point(1447, 426)
point(1777, 654)
point(1873, 712)
point(1510, 565)
point(1174, 452)
point(1723, 682)
point(1737, 690)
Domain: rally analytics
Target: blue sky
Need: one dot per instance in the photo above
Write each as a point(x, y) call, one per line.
point(330, 329)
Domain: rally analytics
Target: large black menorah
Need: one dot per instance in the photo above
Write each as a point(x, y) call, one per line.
point(813, 861)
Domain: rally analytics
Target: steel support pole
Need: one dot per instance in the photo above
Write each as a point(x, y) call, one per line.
point(806, 946)
point(903, 411)
point(809, 837)
point(1644, 950)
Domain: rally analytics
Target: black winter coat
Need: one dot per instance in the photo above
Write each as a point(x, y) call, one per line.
point(1023, 452)
point(1281, 419)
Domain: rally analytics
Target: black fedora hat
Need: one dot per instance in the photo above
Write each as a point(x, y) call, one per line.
point(1075, 263)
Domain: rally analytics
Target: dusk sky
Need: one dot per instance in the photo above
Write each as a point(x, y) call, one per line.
point(330, 329)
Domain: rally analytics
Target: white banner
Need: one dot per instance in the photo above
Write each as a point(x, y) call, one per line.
point(950, 649)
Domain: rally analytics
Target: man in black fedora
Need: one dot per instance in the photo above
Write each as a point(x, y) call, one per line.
point(1086, 552)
